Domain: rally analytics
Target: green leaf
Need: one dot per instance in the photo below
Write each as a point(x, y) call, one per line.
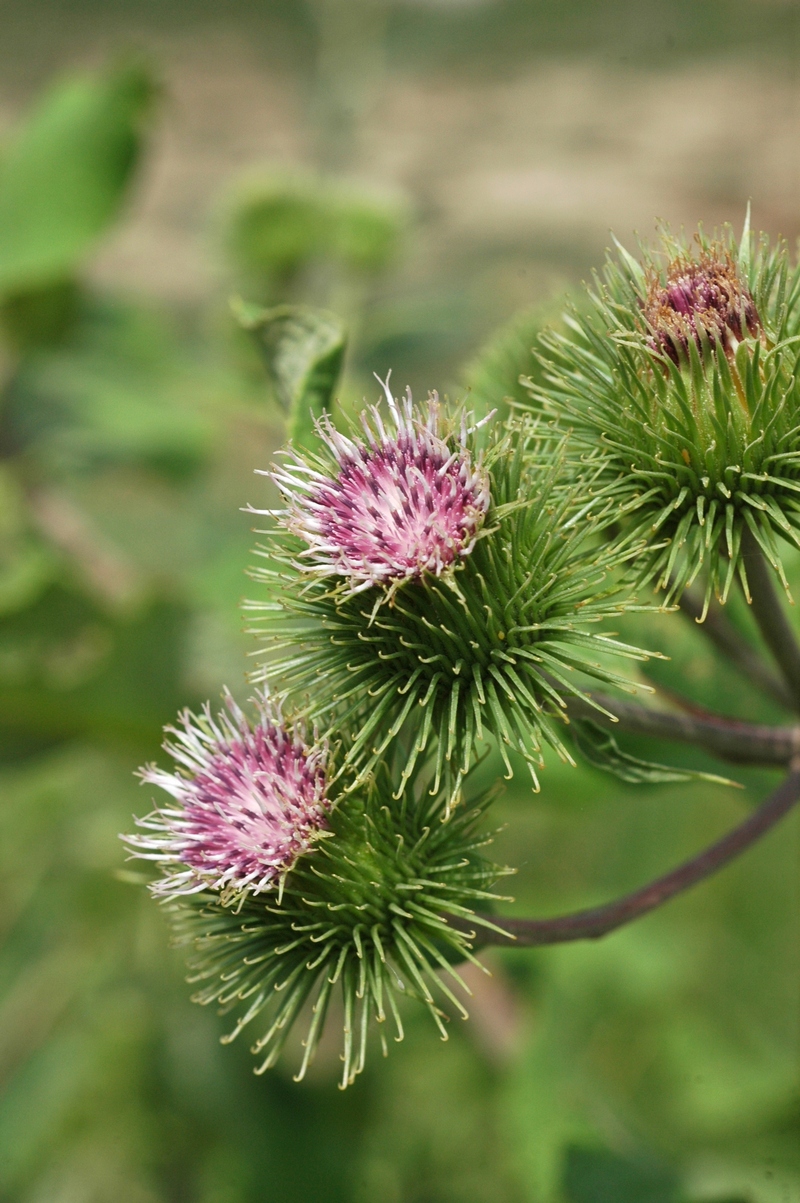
point(276, 229)
point(278, 226)
point(124, 389)
point(600, 1176)
point(303, 350)
point(599, 747)
point(365, 233)
point(64, 176)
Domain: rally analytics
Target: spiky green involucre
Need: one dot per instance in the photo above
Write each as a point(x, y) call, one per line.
point(367, 914)
point(682, 393)
point(494, 644)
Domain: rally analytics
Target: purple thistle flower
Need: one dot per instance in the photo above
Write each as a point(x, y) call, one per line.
point(400, 504)
point(251, 800)
point(699, 297)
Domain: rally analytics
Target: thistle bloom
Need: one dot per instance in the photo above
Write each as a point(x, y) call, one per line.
point(251, 800)
point(491, 648)
point(699, 451)
point(368, 918)
point(699, 298)
point(402, 504)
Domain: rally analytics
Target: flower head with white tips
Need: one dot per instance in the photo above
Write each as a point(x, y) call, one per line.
point(403, 502)
point(250, 801)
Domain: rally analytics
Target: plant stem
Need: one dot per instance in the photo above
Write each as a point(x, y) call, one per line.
point(771, 616)
point(598, 921)
point(728, 738)
point(723, 634)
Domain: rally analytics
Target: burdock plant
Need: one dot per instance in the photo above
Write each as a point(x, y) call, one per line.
point(430, 586)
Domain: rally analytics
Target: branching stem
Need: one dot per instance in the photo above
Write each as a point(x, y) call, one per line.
point(771, 616)
point(598, 921)
point(728, 738)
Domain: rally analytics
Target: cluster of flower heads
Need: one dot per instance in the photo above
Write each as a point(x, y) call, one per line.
point(423, 593)
point(400, 505)
point(447, 602)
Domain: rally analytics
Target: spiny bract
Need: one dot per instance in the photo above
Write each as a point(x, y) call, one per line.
point(495, 644)
point(366, 913)
point(680, 387)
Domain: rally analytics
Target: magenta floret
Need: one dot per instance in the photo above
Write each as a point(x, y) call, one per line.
point(250, 801)
point(400, 504)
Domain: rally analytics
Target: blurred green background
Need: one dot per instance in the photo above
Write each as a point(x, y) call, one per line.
point(426, 170)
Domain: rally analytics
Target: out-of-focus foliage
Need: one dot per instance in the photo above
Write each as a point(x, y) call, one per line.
point(596, 1175)
point(280, 230)
point(659, 1064)
point(64, 175)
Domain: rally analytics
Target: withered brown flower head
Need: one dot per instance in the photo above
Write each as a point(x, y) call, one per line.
point(702, 296)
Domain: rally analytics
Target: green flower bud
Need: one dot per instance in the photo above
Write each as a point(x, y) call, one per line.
point(681, 391)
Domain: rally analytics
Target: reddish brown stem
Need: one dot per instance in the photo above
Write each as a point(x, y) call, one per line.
point(598, 921)
point(728, 738)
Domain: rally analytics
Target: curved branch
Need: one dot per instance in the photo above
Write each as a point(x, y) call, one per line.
point(728, 738)
point(718, 628)
point(600, 920)
point(770, 615)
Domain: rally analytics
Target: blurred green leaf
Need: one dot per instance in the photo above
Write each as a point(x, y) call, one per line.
point(277, 230)
point(123, 389)
point(365, 233)
point(67, 670)
point(25, 570)
point(64, 176)
point(40, 316)
point(280, 226)
point(595, 1175)
point(26, 564)
point(303, 351)
point(600, 748)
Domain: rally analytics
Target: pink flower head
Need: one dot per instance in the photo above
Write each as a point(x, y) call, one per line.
point(702, 296)
point(250, 801)
point(403, 503)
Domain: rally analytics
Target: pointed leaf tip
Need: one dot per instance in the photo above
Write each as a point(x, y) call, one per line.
point(744, 245)
point(303, 351)
point(633, 265)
